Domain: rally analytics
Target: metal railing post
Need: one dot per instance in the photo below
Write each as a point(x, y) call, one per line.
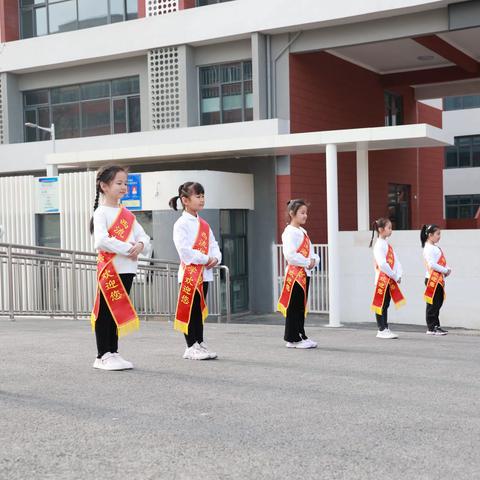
point(11, 305)
point(74, 287)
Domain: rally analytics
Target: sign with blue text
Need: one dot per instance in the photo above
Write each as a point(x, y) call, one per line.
point(47, 195)
point(133, 199)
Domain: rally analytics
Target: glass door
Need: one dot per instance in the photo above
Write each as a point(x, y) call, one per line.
point(233, 242)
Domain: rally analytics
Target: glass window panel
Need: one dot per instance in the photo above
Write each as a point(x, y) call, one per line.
point(40, 2)
point(208, 75)
point(239, 222)
point(48, 231)
point(451, 212)
point(230, 73)
point(90, 91)
point(134, 114)
point(67, 120)
point(65, 94)
point(125, 86)
point(464, 147)
point(27, 24)
point(210, 100)
point(40, 15)
point(451, 160)
point(247, 70)
point(225, 227)
point(26, 3)
point(44, 121)
point(92, 13)
point(465, 211)
point(132, 9)
point(210, 118)
point(232, 103)
point(476, 152)
point(30, 133)
point(36, 97)
point(62, 17)
point(468, 101)
point(95, 118)
point(117, 11)
point(232, 96)
point(120, 115)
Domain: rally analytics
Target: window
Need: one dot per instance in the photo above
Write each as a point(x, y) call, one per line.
point(201, 3)
point(226, 93)
point(393, 109)
point(461, 103)
point(465, 153)
point(461, 206)
point(97, 108)
point(43, 17)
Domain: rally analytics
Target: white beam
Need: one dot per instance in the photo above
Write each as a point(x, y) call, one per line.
point(363, 200)
point(333, 237)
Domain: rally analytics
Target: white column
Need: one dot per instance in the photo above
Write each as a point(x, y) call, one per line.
point(363, 202)
point(333, 237)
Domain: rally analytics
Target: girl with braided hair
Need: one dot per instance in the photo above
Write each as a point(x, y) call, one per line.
point(119, 239)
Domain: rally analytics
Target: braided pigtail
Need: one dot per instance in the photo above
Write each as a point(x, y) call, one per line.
point(95, 206)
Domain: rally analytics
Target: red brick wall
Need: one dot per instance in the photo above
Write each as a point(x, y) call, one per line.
point(141, 8)
point(183, 4)
point(328, 93)
point(9, 21)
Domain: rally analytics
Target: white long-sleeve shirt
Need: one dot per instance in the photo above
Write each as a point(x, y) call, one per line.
point(432, 254)
point(380, 251)
point(185, 233)
point(292, 238)
point(102, 220)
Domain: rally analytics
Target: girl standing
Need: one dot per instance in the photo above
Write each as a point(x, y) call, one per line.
point(199, 253)
point(298, 252)
point(388, 275)
point(437, 270)
point(119, 239)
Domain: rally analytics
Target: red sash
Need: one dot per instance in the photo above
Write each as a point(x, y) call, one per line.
point(109, 282)
point(383, 281)
point(295, 274)
point(192, 282)
point(435, 279)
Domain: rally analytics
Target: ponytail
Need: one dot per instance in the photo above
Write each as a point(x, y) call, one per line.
point(426, 231)
point(376, 226)
point(95, 206)
point(172, 203)
point(374, 229)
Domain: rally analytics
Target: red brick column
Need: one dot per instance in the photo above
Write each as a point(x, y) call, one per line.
point(9, 21)
point(183, 4)
point(141, 8)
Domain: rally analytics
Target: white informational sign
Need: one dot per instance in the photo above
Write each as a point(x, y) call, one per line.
point(47, 195)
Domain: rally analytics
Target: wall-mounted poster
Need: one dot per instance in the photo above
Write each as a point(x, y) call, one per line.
point(133, 199)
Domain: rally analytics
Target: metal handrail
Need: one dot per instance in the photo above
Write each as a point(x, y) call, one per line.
point(55, 282)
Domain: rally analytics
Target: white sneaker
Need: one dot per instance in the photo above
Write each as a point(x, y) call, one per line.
point(196, 352)
point(128, 365)
point(211, 354)
point(108, 362)
point(291, 344)
point(430, 332)
point(386, 334)
point(313, 343)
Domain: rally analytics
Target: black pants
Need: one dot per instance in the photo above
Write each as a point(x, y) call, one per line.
point(382, 320)
point(105, 327)
point(433, 310)
point(195, 327)
point(295, 319)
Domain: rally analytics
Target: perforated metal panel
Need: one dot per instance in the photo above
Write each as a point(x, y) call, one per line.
point(164, 87)
point(160, 7)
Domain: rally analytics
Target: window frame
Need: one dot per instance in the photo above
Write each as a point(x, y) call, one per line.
point(219, 85)
point(46, 4)
point(456, 148)
point(111, 98)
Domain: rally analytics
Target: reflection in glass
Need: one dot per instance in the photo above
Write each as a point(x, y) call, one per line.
point(95, 118)
point(67, 120)
point(92, 13)
point(62, 17)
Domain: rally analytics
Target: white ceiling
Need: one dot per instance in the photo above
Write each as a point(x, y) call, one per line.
point(402, 54)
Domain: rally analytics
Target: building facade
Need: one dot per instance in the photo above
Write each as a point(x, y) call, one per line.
point(171, 85)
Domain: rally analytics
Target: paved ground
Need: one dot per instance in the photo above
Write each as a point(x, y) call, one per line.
point(355, 408)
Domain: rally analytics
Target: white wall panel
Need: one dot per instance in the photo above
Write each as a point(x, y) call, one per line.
point(17, 209)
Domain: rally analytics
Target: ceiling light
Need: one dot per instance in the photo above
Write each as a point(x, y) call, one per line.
point(425, 58)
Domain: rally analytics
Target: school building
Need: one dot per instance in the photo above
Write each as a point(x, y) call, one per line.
point(260, 100)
